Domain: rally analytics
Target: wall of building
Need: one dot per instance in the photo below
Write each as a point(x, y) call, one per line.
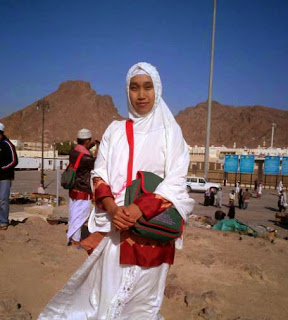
point(216, 174)
point(33, 163)
point(37, 154)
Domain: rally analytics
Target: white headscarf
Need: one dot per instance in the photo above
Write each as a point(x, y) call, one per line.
point(159, 148)
point(160, 115)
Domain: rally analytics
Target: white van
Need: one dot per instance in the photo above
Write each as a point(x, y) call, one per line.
point(200, 184)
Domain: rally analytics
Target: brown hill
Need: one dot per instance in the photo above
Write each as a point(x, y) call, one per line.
point(73, 106)
point(76, 105)
point(246, 126)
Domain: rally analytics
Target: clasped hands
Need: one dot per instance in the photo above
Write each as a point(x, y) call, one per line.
point(125, 217)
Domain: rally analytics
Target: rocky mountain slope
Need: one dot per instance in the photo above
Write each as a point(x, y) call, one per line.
point(76, 105)
point(246, 126)
point(73, 106)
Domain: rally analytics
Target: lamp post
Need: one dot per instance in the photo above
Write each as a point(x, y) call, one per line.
point(207, 142)
point(54, 164)
point(44, 106)
point(272, 133)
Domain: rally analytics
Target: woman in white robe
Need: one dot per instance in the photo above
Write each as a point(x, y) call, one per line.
point(103, 288)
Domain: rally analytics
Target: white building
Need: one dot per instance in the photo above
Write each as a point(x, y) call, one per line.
point(30, 156)
point(34, 163)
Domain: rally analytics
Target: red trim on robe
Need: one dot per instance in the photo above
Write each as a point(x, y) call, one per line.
point(92, 241)
point(80, 195)
point(102, 191)
point(152, 204)
point(149, 205)
point(144, 252)
point(136, 250)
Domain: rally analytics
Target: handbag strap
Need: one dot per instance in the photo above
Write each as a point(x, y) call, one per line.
point(130, 139)
point(76, 165)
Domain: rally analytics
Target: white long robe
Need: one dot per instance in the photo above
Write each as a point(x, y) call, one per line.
point(79, 212)
point(102, 288)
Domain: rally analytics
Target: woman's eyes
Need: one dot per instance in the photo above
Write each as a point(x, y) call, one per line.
point(146, 87)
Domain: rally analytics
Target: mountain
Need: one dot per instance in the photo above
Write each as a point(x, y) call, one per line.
point(75, 105)
point(248, 126)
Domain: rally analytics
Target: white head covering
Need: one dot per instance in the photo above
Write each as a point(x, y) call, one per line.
point(84, 134)
point(160, 115)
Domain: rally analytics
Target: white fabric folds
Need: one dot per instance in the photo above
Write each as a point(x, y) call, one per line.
point(79, 212)
point(101, 288)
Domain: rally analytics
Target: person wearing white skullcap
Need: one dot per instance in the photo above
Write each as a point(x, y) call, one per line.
point(81, 194)
point(8, 161)
point(124, 277)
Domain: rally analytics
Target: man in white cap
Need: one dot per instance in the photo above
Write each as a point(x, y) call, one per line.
point(81, 194)
point(8, 161)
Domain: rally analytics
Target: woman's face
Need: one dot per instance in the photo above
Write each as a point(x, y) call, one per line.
point(141, 93)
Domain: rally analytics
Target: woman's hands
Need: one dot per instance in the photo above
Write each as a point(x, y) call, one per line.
point(134, 212)
point(123, 217)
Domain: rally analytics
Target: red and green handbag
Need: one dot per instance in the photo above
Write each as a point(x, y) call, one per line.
point(167, 225)
point(69, 175)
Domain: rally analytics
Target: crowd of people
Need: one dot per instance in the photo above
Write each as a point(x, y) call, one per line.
point(213, 197)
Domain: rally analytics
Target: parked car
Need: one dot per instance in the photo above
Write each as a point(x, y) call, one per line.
point(200, 184)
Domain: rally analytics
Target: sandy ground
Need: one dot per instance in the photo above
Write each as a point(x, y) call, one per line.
point(217, 275)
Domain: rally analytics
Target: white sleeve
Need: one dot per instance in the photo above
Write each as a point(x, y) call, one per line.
point(173, 187)
point(99, 219)
point(101, 163)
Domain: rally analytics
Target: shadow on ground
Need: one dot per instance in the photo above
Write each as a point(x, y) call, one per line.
point(279, 224)
point(272, 209)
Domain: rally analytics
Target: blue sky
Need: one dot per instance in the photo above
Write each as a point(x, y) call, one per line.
point(44, 43)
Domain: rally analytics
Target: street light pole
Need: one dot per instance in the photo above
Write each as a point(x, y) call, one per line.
point(207, 142)
point(54, 165)
point(272, 134)
point(44, 106)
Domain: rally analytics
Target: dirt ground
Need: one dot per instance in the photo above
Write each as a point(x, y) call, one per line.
point(217, 275)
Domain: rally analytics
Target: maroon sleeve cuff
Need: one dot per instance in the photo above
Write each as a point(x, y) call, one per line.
point(101, 192)
point(149, 205)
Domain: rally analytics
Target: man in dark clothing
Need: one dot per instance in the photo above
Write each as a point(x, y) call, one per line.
point(81, 194)
point(220, 215)
point(246, 199)
point(281, 202)
point(8, 161)
point(240, 199)
point(231, 212)
point(255, 185)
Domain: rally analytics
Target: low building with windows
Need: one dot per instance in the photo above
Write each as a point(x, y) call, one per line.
point(30, 156)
